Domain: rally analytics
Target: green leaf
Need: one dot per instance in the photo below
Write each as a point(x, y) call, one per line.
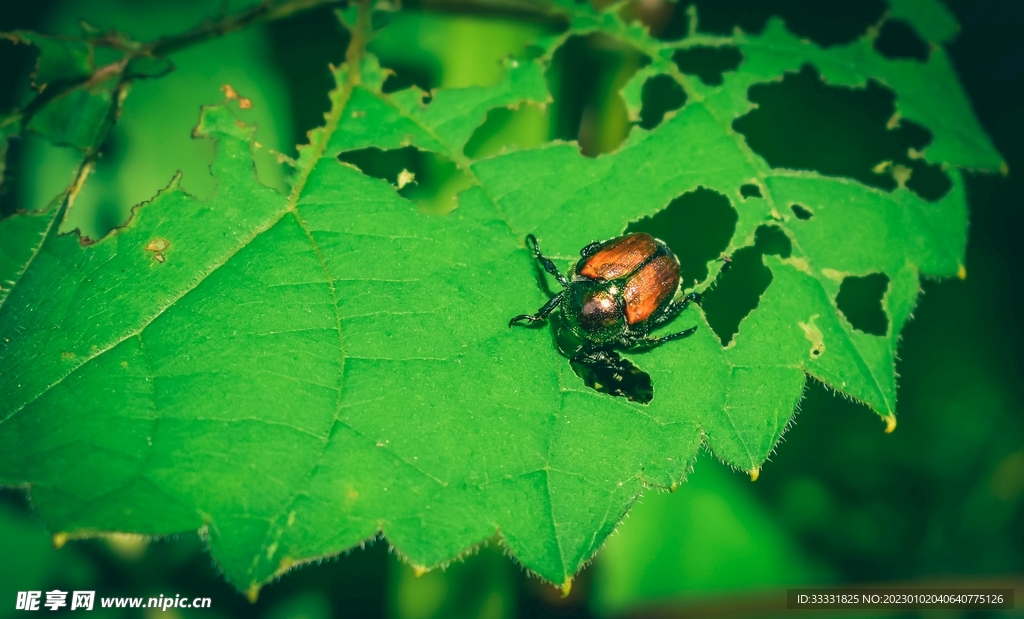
point(76, 101)
point(70, 109)
point(932, 19)
point(296, 373)
point(77, 118)
point(61, 59)
point(20, 235)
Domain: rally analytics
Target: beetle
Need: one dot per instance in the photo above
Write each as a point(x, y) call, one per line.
point(617, 293)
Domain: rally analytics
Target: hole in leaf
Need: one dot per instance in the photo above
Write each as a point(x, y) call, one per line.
point(750, 191)
point(898, 40)
point(825, 23)
point(697, 227)
point(665, 19)
point(586, 75)
point(107, 216)
point(803, 123)
point(524, 127)
point(303, 45)
point(17, 63)
point(408, 75)
point(860, 301)
point(928, 180)
point(400, 48)
point(801, 212)
point(913, 133)
point(739, 288)
point(98, 208)
point(771, 240)
point(432, 49)
point(708, 63)
point(426, 178)
point(660, 94)
point(622, 380)
point(736, 293)
point(10, 168)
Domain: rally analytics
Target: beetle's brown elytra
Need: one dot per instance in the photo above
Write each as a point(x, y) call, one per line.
point(649, 288)
point(619, 257)
point(619, 291)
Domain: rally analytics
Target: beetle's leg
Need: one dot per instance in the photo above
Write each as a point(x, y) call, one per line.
point(674, 309)
point(545, 261)
point(542, 313)
point(647, 343)
point(589, 250)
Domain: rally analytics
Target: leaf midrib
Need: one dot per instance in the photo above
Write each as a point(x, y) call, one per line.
point(344, 91)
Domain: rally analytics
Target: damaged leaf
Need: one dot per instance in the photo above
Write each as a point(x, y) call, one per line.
point(296, 373)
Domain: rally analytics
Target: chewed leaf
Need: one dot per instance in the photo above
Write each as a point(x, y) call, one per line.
point(61, 59)
point(76, 115)
point(297, 373)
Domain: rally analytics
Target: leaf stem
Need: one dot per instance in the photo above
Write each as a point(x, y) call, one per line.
point(357, 45)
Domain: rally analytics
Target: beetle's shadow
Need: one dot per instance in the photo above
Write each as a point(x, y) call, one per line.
point(621, 379)
point(618, 377)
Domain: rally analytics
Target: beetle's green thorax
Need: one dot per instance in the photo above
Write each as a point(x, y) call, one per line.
point(592, 310)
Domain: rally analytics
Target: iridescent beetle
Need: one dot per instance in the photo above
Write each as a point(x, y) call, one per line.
point(619, 291)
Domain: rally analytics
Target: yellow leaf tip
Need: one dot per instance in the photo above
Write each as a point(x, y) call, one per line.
point(419, 570)
point(566, 587)
point(890, 423)
point(252, 593)
point(128, 546)
point(755, 473)
point(59, 539)
point(961, 272)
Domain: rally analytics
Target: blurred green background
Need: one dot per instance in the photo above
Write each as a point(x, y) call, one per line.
point(942, 498)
